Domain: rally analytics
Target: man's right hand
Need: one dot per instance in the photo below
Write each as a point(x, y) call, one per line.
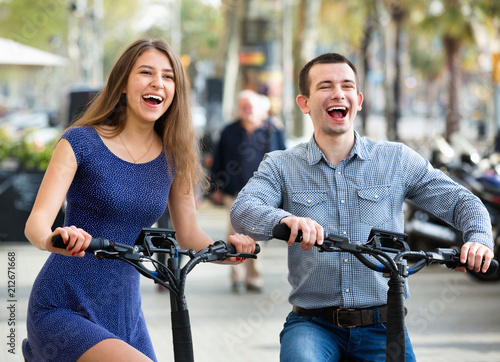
point(312, 232)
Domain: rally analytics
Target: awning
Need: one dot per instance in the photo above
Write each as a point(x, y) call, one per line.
point(14, 53)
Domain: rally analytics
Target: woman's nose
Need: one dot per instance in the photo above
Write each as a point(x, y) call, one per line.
point(157, 82)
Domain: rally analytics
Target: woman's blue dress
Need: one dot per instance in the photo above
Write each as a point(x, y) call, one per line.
point(77, 302)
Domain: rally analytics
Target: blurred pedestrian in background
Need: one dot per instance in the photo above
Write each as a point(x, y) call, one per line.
point(237, 155)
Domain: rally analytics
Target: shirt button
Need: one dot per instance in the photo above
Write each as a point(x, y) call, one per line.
point(344, 232)
point(376, 196)
point(346, 260)
point(342, 201)
point(253, 229)
point(308, 201)
point(347, 290)
point(338, 172)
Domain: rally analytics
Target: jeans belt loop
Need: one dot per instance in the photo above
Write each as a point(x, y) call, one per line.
point(375, 315)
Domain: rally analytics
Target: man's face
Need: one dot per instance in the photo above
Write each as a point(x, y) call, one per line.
point(333, 100)
point(247, 109)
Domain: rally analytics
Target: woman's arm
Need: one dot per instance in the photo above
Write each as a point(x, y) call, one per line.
point(189, 235)
point(50, 197)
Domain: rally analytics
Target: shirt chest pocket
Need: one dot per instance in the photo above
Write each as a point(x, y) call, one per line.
point(310, 204)
point(374, 205)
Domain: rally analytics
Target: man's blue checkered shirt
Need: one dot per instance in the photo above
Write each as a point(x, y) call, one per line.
point(364, 191)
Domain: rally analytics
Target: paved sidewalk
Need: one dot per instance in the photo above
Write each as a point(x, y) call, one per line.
point(451, 316)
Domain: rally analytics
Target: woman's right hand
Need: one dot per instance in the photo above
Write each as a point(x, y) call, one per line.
point(76, 240)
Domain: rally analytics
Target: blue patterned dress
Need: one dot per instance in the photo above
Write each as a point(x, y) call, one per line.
point(78, 302)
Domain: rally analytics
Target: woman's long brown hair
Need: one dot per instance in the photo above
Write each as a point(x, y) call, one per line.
point(175, 126)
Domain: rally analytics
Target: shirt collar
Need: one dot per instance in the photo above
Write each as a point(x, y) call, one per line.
point(360, 147)
point(314, 154)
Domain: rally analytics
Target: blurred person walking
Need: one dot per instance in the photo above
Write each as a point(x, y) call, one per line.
point(237, 155)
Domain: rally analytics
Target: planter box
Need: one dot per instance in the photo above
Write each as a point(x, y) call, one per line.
point(18, 190)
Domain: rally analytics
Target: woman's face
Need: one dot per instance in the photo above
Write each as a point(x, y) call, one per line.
point(150, 87)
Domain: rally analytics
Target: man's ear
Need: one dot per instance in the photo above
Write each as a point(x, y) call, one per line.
point(303, 102)
point(360, 101)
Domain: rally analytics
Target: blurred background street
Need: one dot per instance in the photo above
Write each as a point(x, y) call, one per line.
point(430, 74)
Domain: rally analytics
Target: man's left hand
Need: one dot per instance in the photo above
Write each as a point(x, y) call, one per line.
point(473, 255)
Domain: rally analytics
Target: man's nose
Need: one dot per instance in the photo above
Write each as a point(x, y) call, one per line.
point(337, 92)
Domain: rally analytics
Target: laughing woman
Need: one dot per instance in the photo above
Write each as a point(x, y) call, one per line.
point(118, 167)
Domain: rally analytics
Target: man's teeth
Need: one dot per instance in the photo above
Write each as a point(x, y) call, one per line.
point(336, 109)
point(158, 98)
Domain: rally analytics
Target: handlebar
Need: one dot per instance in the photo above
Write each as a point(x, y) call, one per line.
point(160, 241)
point(381, 242)
point(107, 249)
point(171, 276)
point(393, 253)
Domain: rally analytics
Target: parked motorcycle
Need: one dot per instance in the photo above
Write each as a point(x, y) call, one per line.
point(481, 176)
point(427, 232)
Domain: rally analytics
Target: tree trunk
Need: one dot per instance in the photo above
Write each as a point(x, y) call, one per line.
point(371, 25)
point(452, 47)
point(305, 40)
point(393, 115)
point(233, 11)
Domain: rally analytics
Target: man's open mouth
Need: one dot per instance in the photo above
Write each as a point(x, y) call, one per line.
point(337, 112)
point(152, 99)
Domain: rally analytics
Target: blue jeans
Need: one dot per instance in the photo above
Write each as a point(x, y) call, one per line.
point(308, 339)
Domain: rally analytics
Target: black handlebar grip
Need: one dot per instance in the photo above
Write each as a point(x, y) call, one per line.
point(231, 249)
point(493, 268)
point(282, 231)
point(95, 244)
point(57, 242)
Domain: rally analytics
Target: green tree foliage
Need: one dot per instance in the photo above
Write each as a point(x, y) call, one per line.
point(41, 23)
point(201, 27)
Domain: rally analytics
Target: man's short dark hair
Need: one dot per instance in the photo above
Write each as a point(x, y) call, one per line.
point(327, 58)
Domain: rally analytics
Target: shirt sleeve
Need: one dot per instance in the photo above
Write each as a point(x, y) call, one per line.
point(256, 209)
point(437, 193)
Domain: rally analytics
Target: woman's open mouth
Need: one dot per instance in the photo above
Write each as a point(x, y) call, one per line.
point(152, 99)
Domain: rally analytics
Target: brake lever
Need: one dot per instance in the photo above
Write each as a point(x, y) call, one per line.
point(104, 254)
point(220, 251)
point(120, 251)
point(242, 255)
point(335, 242)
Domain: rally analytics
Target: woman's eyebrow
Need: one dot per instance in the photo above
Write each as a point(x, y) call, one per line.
point(168, 70)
